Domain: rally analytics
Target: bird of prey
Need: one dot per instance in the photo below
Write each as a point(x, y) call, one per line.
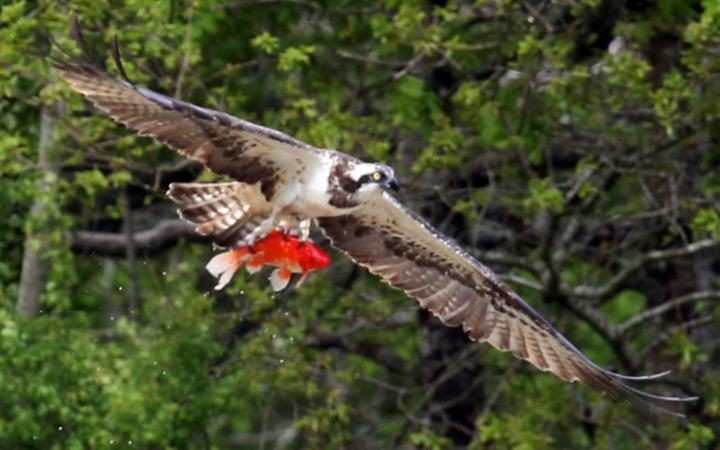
point(281, 182)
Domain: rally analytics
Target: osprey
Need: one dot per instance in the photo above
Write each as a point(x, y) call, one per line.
point(282, 182)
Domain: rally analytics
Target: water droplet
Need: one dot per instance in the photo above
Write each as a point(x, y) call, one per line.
point(60, 428)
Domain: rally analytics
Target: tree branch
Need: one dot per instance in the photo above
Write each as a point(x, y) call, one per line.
point(640, 318)
point(652, 347)
point(153, 240)
point(367, 348)
point(612, 286)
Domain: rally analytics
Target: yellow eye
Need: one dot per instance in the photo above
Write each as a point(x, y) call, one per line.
point(377, 176)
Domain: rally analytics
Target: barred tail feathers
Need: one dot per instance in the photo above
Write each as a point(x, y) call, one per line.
point(226, 211)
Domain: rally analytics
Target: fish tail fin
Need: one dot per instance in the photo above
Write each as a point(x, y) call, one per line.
point(226, 211)
point(280, 278)
point(224, 266)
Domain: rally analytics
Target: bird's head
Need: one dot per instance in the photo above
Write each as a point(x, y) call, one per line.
point(372, 177)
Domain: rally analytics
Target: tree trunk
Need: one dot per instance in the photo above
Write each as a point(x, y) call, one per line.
point(35, 265)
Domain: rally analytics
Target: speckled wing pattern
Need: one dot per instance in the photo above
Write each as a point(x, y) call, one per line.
point(227, 145)
point(406, 252)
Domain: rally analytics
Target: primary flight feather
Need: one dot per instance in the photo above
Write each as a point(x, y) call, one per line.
point(281, 182)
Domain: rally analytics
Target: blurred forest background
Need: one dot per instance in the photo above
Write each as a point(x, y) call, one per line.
point(572, 145)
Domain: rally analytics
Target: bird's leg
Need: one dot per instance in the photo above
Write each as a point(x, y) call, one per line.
point(294, 226)
point(264, 228)
point(288, 224)
point(304, 227)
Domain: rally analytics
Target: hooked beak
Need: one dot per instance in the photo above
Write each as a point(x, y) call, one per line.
point(392, 184)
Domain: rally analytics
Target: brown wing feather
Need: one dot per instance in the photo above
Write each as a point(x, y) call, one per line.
point(225, 144)
point(406, 252)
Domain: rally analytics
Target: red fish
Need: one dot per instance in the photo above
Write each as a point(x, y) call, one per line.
point(289, 254)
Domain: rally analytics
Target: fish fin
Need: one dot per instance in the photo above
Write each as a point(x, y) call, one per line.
point(254, 264)
point(302, 279)
point(226, 211)
point(223, 266)
point(280, 278)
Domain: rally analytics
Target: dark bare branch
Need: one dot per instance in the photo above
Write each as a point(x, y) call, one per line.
point(648, 314)
point(663, 337)
point(163, 235)
point(369, 349)
point(612, 286)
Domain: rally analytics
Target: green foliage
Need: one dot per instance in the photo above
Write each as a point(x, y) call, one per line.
point(697, 434)
point(625, 305)
point(266, 42)
point(295, 57)
point(427, 439)
point(544, 196)
point(707, 221)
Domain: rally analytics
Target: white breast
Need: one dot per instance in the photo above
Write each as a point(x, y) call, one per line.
point(313, 197)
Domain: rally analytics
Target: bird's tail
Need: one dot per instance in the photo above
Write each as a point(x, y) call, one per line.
point(227, 212)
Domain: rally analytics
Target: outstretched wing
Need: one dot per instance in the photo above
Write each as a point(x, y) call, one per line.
point(227, 145)
point(408, 253)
